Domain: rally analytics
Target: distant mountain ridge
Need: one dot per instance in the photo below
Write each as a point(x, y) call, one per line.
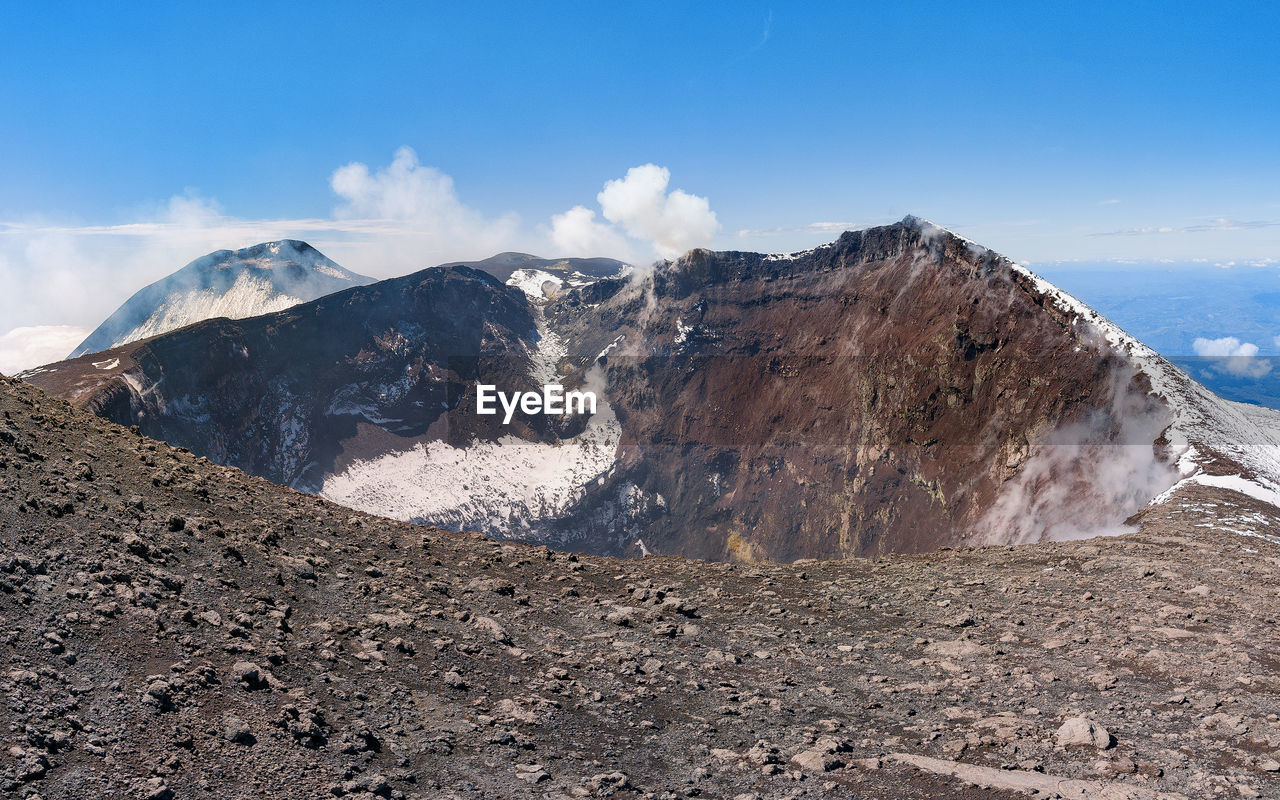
point(504, 266)
point(900, 389)
point(266, 277)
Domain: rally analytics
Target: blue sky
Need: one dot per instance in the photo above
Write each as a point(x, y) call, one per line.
point(133, 140)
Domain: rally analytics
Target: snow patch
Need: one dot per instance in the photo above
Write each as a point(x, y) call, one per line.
point(533, 282)
point(791, 256)
point(611, 345)
point(505, 486)
point(1236, 483)
point(546, 352)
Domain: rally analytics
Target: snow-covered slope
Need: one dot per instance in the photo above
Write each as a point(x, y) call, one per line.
point(237, 284)
point(573, 271)
point(539, 284)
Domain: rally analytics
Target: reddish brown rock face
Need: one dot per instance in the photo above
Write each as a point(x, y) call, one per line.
point(871, 396)
point(891, 392)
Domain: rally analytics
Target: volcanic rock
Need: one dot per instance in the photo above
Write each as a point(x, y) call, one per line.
point(1083, 731)
point(851, 677)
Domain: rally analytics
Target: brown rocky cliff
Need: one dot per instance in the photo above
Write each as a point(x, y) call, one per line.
point(870, 396)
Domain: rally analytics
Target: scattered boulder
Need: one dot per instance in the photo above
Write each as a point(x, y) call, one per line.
point(1083, 732)
point(237, 730)
point(249, 675)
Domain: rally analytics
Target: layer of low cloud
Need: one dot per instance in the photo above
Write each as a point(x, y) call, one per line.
point(638, 207)
point(1233, 356)
point(1217, 224)
point(26, 347)
point(813, 228)
point(53, 275)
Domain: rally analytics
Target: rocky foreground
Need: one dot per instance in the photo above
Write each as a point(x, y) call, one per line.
point(175, 629)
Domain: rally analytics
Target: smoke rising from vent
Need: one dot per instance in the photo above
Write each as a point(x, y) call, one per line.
point(431, 224)
point(1085, 478)
point(576, 232)
point(639, 206)
point(675, 222)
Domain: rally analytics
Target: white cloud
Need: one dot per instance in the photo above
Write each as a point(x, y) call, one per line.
point(404, 190)
point(432, 224)
point(1233, 356)
point(672, 222)
point(1215, 224)
point(1225, 347)
point(638, 213)
point(27, 347)
point(576, 232)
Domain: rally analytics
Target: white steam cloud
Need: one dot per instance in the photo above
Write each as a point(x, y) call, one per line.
point(577, 233)
point(1085, 479)
point(638, 213)
point(1232, 356)
point(421, 205)
point(674, 222)
point(639, 206)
